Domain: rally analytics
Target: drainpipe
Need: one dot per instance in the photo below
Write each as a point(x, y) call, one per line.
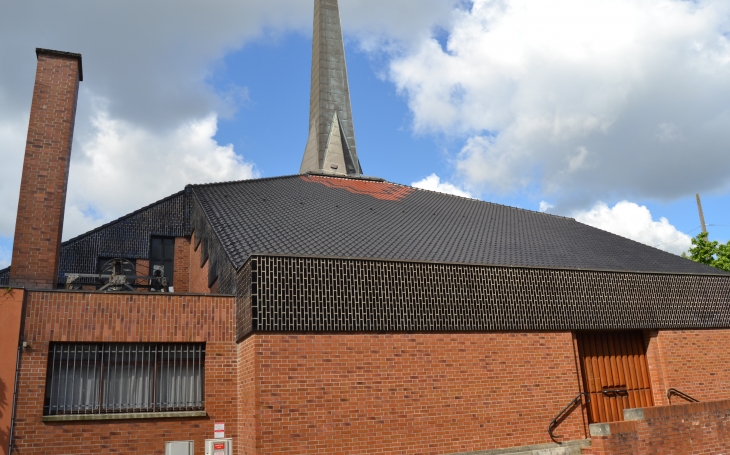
point(21, 345)
point(15, 399)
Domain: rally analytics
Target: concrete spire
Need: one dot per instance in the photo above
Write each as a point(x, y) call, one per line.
point(331, 144)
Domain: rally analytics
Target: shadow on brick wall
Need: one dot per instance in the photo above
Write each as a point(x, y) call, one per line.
point(4, 412)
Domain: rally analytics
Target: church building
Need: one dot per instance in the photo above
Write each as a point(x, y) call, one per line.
point(333, 312)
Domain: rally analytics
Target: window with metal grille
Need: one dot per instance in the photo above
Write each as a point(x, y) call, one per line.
point(103, 378)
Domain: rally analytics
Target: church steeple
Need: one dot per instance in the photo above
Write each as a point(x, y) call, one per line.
point(331, 144)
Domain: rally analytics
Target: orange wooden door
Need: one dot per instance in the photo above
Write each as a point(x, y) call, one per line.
point(615, 373)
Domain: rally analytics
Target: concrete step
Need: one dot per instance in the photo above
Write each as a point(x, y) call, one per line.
point(566, 448)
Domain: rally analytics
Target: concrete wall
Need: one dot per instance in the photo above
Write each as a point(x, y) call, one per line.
point(406, 394)
point(93, 317)
point(11, 308)
point(698, 428)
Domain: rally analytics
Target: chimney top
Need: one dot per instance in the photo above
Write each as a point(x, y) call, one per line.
point(39, 51)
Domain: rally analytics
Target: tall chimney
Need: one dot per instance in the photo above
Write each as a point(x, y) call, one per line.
point(38, 228)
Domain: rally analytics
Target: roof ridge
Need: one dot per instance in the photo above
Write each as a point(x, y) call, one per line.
point(488, 202)
point(231, 182)
point(375, 180)
point(213, 228)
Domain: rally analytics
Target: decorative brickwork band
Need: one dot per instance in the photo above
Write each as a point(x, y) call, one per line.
point(297, 294)
point(37, 243)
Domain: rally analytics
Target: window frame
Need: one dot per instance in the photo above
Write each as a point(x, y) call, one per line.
point(187, 360)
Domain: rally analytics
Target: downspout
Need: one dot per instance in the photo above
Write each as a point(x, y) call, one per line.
point(17, 371)
point(15, 399)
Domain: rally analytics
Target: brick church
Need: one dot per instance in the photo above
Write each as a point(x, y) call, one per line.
point(333, 312)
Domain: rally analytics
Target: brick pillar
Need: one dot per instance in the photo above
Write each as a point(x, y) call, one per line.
point(37, 244)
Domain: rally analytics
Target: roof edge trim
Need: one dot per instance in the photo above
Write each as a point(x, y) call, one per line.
point(720, 274)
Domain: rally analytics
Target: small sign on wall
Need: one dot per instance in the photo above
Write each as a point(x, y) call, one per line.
point(219, 430)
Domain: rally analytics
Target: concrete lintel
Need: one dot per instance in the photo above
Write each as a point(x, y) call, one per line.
point(128, 416)
point(634, 414)
point(600, 429)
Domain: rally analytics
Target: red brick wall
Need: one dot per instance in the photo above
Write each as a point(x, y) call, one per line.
point(247, 398)
point(11, 308)
point(181, 281)
point(198, 275)
point(77, 316)
point(410, 394)
point(37, 243)
point(697, 362)
point(698, 428)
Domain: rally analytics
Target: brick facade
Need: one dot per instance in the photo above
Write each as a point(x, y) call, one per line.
point(247, 385)
point(406, 394)
point(198, 272)
point(697, 362)
point(93, 317)
point(182, 265)
point(698, 428)
point(37, 242)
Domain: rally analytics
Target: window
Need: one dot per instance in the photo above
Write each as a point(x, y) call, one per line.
point(103, 378)
point(162, 252)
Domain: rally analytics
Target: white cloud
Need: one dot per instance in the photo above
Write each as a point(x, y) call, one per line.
point(152, 63)
point(580, 97)
point(635, 222)
point(12, 138)
point(123, 167)
point(433, 182)
point(545, 206)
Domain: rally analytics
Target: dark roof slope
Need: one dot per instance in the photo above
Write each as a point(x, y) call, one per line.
point(330, 216)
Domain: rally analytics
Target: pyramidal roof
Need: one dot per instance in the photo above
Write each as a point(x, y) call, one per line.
point(331, 145)
point(330, 216)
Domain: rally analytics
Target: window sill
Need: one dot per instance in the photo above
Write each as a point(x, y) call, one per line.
point(129, 416)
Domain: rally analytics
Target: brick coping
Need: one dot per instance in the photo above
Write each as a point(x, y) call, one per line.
point(143, 294)
point(631, 416)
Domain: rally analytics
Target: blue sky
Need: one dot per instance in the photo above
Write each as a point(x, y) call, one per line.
point(615, 113)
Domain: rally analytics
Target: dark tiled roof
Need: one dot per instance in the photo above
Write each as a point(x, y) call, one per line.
point(329, 216)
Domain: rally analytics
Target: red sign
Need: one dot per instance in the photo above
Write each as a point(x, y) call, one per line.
point(218, 446)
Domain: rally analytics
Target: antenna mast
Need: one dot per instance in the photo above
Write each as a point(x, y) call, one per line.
point(702, 216)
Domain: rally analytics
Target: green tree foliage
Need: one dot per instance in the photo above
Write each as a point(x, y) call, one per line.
point(708, 252)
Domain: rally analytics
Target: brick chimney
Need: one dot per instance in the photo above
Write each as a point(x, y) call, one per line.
point(38, 228)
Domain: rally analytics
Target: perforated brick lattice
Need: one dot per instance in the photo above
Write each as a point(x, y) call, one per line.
point(331, 295)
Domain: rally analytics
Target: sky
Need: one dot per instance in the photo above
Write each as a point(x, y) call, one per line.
point(613, 112)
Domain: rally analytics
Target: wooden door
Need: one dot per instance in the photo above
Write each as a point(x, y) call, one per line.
point(615, 373)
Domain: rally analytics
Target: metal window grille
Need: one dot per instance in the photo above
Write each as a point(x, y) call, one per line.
point(104, 378)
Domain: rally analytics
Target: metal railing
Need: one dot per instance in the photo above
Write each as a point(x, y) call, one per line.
point(680, 394)
point(103, 378)
point(563, 413)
